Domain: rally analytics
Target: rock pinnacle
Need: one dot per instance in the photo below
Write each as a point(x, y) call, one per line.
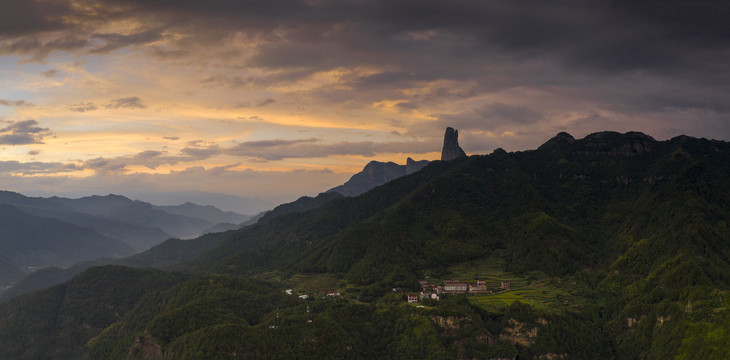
point(451, 149)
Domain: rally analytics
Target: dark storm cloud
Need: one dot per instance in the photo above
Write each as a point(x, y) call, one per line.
point(23, 133)
point(603, 35)
point(549, 45)
point(37, 49)
point(21, 17)
point(490, 117)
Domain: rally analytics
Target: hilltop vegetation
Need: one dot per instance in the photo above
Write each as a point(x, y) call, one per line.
point(617, 245)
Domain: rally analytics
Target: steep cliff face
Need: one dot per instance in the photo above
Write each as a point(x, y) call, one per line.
point(451, 149)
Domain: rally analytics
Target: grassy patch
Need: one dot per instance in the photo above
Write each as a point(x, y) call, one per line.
point(314, 283)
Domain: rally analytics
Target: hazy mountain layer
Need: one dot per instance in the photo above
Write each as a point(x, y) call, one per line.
point(122, 209)
point(208, 213)
point(32, 241)
point(138, 237)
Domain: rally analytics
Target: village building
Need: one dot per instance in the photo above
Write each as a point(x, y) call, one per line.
point(412, 298)
point(425, 285)
point(455, 286)
point(333, 293)
point(479, 287)
point(505, 285)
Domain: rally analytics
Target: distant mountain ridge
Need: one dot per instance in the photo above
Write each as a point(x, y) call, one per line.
point(120, 208)
point(34, 232)
point(139, 237)
point(33, 241)
point(208, 213)
point(377, 173)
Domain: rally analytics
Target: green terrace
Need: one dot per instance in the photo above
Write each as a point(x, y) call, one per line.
point(534, 288)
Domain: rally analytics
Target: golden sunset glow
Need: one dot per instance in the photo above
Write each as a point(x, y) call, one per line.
point(291, 98)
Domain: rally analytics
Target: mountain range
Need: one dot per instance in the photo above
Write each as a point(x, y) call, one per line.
point(46, 232)
point(616, 246)
point(142, 225)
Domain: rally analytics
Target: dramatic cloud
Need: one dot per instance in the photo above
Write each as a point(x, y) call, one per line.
point(23, 133)
point(117, 41)
point(336, 83)
point(491, 116)
point(32, 17)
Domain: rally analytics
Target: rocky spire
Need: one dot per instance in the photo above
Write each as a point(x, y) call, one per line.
point(451, 149)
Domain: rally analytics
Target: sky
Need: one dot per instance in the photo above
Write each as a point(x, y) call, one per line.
point(281, 98)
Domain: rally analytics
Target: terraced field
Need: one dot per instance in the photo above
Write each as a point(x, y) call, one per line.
point(314, 283)
point(534, 288)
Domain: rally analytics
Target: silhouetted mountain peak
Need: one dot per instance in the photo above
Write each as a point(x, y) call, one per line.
point(451, 149)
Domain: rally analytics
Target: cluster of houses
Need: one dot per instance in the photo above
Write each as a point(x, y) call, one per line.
point(451, 286)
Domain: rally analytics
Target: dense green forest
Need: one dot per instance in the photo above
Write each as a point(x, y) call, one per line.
point(617, 247)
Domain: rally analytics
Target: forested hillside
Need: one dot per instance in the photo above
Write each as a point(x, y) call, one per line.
point(616, 247)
